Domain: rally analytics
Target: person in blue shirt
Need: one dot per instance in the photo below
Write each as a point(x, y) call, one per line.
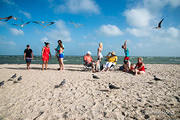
point(126, 58)
point(60, 54)
point(126, 51)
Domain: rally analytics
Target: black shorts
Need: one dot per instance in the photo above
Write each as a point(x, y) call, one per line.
point(88, 64)
point(28, 60)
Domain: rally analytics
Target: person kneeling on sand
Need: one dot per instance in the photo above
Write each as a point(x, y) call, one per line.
point(111, 61)
point(140, 69)
point(88, 61)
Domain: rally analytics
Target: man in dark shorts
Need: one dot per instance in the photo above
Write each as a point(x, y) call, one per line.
point(28, 56)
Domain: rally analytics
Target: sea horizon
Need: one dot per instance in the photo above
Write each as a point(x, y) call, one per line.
point(75, 59)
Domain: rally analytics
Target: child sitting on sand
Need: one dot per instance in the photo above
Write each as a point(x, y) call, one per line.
point(140, 69)
point(126, 65)
point(132, 68)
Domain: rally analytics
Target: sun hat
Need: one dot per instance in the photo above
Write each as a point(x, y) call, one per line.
point(88, 52)
point(113, 53)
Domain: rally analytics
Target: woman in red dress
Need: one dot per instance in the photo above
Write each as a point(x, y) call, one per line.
point(45, 55)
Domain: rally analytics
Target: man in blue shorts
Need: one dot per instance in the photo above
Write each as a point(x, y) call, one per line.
point(28, 56)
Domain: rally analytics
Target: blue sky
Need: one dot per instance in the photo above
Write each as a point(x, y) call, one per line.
point(107, 21)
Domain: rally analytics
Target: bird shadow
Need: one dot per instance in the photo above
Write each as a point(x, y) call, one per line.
point(104, 90)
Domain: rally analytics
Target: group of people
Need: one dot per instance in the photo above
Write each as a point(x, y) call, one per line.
point(28, 55)
point(111, 59)
point(95, 65)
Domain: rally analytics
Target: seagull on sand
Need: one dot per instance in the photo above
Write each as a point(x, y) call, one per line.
point(14, 76)
point(157, 79)
point(111, 86)
point(1, 83)
point(95, 77)
point(19, 78)
point(159, 24)
point(61, 84)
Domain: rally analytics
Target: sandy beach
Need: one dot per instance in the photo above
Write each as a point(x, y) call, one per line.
point(84, 98)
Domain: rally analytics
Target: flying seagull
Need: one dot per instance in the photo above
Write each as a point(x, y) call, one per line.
point(22, 25)
point(8, 18)
point(159, 24)
point(19, 78)
point(111, 86)
point(95, 77)
point(157, 79)
point(39, 22)
point(43, 23)
point(76, 25)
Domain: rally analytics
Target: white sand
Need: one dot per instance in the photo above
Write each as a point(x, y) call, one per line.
point(85, 98)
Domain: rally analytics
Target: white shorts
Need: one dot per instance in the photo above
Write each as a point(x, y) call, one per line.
point(109, 64)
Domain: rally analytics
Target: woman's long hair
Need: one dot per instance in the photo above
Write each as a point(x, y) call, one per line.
point(60, 44)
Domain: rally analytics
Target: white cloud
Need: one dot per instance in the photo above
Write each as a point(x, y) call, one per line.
point(110, 30)
point(139, 17)
point(157, 5)
point(15, 31)
point(28, 15)
point(138, 32)
point(58, 33)
point(173, 32)
point(44, 39)
point(9, 2)
point(174, 3)
point(78, 6)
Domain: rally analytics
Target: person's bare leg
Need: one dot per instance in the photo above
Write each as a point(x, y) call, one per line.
point(93, 67)
point(136, 72)
point(107, 69)
point(62, 64)
point(59, 64)
point(43, 65)
point(46, 64)
point(28, 66)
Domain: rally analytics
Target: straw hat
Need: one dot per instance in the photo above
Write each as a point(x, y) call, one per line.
point(113, 53)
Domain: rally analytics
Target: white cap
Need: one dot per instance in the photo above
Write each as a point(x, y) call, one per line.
point(88, 52)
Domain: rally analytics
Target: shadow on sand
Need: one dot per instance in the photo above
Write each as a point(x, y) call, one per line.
point(32, 68)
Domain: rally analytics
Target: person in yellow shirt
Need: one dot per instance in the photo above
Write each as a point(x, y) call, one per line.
point(111, 60)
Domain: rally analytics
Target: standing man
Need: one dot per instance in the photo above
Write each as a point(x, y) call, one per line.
point(28, 56)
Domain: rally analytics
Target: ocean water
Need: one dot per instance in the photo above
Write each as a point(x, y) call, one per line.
point(4, 59)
